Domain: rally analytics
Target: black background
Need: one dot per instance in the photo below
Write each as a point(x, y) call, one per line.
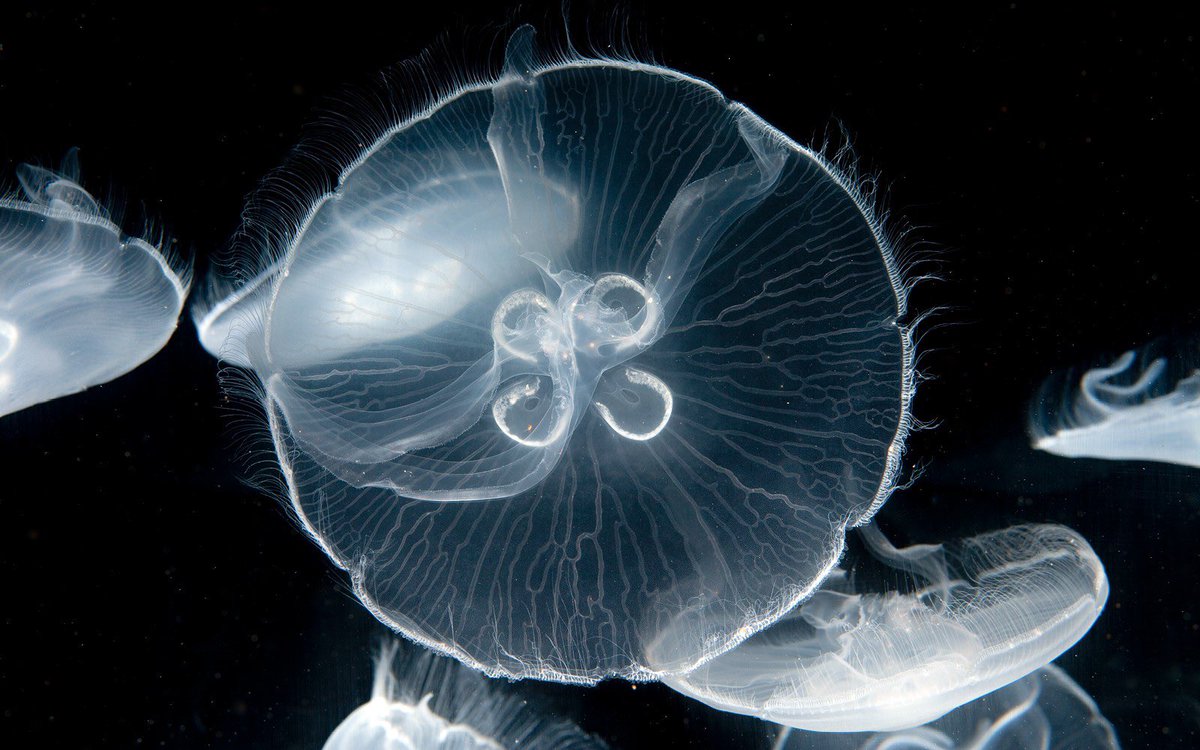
point(1046, 160)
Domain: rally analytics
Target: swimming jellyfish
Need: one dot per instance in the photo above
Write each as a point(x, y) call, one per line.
point(430, 703)
point(578, 359)
point(79, 303)
point(1046, 709)
point(983, 612)
point(1136, 409)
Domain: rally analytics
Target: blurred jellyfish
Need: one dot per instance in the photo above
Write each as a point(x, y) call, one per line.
point(430, 703)
point(1044, 710)
point(984, 611)
point(576, 360)
point(1142, 407)
point(79, 303)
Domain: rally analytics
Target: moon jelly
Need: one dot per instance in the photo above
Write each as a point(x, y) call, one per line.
point(1045, 709)
point(576, 357)
point(79, 303)
point(1142, 407)
point(984, 612)
point(432, 704)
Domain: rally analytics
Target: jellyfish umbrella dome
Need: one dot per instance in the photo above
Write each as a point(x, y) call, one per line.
point(80, 304)
point(420, 701)
point(579, 359)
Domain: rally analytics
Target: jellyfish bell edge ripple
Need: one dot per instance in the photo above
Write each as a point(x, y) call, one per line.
point(80, 302)
point(1144, 406)
point(555, 327)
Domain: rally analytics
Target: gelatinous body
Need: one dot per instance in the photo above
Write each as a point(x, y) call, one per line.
point(1045, 710)
point(79, 303)
point(1134, 409)
point(429, 703)
point(578, 360)
point(988, 610)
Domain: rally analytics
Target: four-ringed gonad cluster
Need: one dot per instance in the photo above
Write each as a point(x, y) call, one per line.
point(595, 326)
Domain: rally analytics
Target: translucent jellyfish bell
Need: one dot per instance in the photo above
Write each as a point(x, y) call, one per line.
point(1142, 407)
point(577, 356)
point(1046, 709)
point(79, 303)
point(428, 703)
point(986, 611)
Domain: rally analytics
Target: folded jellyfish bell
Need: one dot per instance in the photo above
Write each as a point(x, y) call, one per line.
point(982, 612)
point(575, 356)
point(80, 304)
point(1145, 406)
point(1045, 709)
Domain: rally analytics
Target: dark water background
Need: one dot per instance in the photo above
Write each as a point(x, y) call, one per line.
point(1048, 160)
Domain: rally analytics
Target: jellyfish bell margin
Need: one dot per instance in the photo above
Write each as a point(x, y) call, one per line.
point(578, 359)
point(80, 303)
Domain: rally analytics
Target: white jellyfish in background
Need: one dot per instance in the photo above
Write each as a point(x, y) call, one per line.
point(983, 612)
point(579, 359)
point(1142, 407)
point(79, 303)
point(420, 701)
point(1045, 710)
